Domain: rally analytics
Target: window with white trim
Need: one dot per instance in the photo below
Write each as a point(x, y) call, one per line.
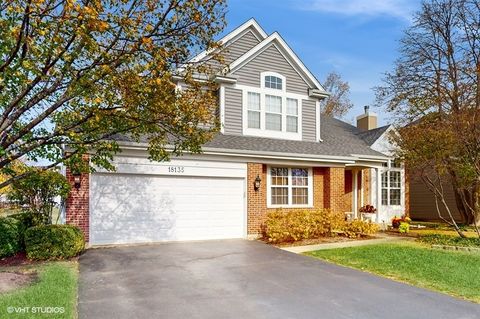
point(391, 179)
point(253, 105)
point(289, 187)
point(273, 82)
point(270, 111)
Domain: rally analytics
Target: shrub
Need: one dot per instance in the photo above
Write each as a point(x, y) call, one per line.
point(11, 236)
point(437, 239)
point(53, 242)
point(357, 228)
point(38, 190)
point(296, 225)
point(404, 227)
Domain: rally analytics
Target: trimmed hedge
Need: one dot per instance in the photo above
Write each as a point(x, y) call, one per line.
point(53, 242)
point(437, 239)
point(295, 225)
point(11, 236)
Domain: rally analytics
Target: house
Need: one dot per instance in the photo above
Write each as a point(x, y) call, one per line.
point(274, 151)
point(422, 201)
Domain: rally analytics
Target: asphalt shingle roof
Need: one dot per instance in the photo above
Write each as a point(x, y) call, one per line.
point(338, 139)
point(371, 136)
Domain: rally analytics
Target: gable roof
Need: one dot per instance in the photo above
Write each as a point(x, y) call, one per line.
point(371, 136)
point(288, 54)
point(230, 37)
point(316, 89)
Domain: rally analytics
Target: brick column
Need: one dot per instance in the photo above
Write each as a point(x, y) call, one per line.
point(77, 204)
point(334, 189)
point(256, 199)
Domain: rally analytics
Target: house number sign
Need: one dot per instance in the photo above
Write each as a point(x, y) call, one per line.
point(176, 169)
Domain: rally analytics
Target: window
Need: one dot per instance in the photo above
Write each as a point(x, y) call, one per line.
point(273, 82)
point(290, 186)
point(273, 113)
point(292, 115)
point(253, 105)
point(269, 111)
point(392, 184)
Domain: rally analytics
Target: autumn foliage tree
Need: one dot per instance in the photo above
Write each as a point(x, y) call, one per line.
point(434, 91)
point(338, 103)
point(73, 73)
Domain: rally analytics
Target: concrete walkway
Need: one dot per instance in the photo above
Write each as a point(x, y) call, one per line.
point(353, 243)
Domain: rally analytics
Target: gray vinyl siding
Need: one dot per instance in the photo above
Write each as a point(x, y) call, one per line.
point(240, 46)
point(233, 111)
point(271, 60)
point(309, 131)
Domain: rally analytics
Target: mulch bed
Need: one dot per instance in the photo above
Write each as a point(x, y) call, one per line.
point(20, 259)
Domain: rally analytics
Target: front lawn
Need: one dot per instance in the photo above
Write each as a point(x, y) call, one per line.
point(452, 272)
point(53, 295)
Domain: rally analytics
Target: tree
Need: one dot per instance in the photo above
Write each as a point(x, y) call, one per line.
point(39, 191)
point(434, 91)
point(73, 73)
point(338, 103)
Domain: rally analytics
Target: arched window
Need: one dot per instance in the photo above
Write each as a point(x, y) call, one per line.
point(273, 82)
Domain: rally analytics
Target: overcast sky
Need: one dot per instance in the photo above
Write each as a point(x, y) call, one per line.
point(357, 39)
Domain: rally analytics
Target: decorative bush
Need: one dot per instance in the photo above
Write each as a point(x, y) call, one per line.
point(53, 242)
point(404, 227)
point(11, 236)
point(396, 221)
point(436, 239)
point(357, 228)
point(296, 225)
point(39, 190)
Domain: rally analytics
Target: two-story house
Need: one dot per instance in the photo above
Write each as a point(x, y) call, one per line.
point(275, 151)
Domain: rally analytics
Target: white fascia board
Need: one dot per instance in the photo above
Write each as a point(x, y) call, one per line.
point(375, 146)
point(232, 35)
point(291, 57)
point(371, 158)
point(254, 154)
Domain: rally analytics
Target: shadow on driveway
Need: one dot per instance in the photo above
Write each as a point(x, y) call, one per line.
point(244, 279)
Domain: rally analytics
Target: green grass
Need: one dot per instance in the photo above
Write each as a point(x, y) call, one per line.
point(56, 287)
point(452, 272)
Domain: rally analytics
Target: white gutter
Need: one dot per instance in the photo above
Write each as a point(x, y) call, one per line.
point(269, 155)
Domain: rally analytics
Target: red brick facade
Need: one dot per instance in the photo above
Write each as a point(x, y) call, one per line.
point(331, 189)
point(328, 192)
point(78, 202)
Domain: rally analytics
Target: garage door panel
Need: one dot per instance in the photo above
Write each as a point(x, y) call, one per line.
point(142, 208)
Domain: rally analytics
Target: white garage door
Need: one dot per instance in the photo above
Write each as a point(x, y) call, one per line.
point(127, 208)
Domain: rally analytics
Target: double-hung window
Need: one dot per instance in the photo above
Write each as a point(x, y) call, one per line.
point(273, 113)
point(270, 111)
point(289, 187)
point(253, 105)
point(392, 184)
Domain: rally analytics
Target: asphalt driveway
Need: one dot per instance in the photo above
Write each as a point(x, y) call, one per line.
point(244, 279)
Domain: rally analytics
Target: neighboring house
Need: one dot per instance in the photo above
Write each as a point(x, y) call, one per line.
point(422, 201)
point(274, 151)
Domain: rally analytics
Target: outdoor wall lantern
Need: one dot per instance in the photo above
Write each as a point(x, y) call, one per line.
point(257, 182)
point(77, 180)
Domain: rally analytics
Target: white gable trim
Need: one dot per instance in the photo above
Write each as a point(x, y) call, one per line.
point(382, 144)
point(258, 32)
point(287, 53)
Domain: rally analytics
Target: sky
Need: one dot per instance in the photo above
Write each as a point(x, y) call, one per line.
point(356, 38)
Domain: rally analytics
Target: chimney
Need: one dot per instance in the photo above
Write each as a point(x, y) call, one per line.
point(368, 120)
